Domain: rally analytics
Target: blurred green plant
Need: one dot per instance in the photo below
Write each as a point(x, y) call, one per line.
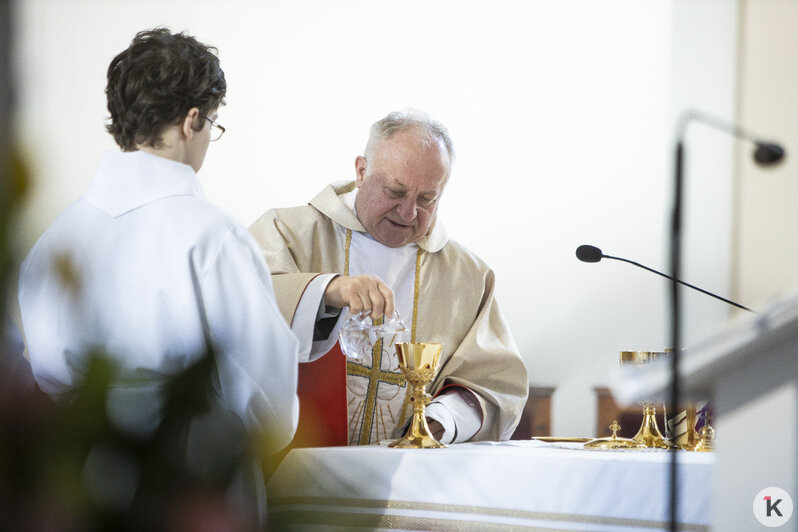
point(66, 466)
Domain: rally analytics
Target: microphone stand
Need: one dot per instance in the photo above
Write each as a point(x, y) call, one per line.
point(676, 251)
point(767, 153)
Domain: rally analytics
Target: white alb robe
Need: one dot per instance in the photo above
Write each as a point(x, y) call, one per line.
point(144, 269)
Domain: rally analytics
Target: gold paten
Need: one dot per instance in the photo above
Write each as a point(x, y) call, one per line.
point(418, 362)
point(561, 439)
point(613, 442)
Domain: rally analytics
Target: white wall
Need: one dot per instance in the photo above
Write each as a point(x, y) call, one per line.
point(703, 79)
point(561, 113)
point(767, 250)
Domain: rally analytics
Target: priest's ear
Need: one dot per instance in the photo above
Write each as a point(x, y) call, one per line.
point(360, 170)
point(191, 123)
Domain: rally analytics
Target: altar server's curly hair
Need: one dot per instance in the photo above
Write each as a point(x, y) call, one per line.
point(156, 81)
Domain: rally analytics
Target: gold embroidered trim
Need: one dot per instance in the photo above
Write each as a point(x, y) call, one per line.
point(348, 243)
point(415, 297)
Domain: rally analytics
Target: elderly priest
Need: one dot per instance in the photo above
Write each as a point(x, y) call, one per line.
point(382, 230)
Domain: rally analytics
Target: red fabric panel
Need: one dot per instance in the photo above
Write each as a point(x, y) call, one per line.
point(322, 401)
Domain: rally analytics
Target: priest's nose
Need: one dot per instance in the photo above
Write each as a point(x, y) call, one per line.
point(407, 209)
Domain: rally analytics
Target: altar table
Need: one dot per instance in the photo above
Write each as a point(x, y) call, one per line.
point(515, 485)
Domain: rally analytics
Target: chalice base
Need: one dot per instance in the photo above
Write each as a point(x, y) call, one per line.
point(418, 437)
point(689, 441)
point(417, 442)
point(649, 435)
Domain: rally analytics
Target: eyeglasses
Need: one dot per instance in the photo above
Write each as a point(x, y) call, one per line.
point(216, 130)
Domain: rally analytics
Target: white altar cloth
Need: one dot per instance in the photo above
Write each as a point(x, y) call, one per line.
point(516, 485)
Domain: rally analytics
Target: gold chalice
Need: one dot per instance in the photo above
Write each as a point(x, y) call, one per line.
point(418, 362)
point(649, 434)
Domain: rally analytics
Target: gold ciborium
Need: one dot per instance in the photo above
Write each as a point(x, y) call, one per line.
point(649, 434)
point(706, 436)
point(418, 362)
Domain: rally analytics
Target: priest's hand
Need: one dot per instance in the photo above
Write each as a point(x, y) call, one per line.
point(435, 428)
point(360, 293)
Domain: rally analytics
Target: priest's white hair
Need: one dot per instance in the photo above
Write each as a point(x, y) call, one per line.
point(403, 120)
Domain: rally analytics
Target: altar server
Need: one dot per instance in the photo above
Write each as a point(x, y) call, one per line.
point(143, 269)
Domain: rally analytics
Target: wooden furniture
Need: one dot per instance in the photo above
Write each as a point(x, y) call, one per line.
point(536, 418)
point(628, 417)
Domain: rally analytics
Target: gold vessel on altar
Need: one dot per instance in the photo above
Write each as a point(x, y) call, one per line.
point(419, 363)
point(649, 434)
point(613, 442)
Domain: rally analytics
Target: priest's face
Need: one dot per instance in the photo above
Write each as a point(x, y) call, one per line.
point(399, 186)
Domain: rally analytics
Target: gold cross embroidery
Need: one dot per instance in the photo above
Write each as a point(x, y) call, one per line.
point(374, 373)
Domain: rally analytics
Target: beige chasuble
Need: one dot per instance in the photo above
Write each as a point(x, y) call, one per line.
point(443, 292)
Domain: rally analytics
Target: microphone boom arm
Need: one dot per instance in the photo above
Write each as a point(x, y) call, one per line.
point(652, 270)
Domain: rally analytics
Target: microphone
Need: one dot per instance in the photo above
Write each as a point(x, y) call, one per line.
point(767, 153)
point(588, 253)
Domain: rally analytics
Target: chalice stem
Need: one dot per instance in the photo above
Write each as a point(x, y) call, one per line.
point(418, 363)
point(418, 425)
point(418, 436)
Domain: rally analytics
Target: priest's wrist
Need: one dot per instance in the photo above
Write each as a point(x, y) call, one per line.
point(435, 428)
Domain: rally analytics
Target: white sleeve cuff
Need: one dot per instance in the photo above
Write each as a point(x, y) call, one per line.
point(310, 309)
point(459, 420)
point(441, 414)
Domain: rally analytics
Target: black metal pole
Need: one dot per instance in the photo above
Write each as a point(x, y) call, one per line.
point(773, 154)
point(676, 251)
